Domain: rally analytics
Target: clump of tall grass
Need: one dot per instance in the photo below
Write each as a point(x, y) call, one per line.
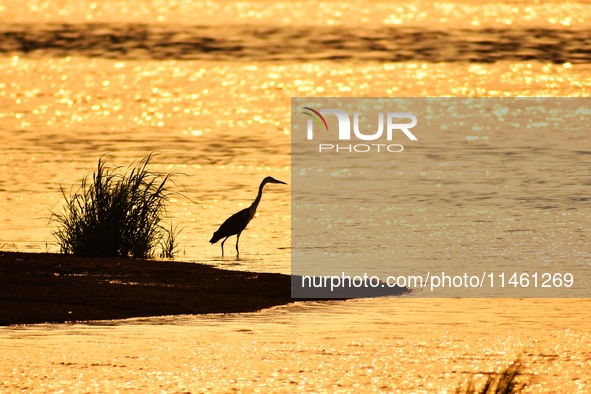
point(504, 382)
point(116, 214)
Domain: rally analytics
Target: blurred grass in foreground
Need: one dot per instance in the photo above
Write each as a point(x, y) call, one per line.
point(504, 382)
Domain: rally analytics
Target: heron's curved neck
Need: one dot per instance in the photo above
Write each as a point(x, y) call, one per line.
point(255, 204)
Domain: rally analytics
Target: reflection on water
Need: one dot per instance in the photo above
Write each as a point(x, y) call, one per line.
point(354, 13)
point(392, 345)
point(225, 125)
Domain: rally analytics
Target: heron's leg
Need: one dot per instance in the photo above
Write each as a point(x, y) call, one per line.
point(237, 239)
point(223, 245)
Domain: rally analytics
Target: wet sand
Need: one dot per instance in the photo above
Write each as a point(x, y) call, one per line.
point(55, 288)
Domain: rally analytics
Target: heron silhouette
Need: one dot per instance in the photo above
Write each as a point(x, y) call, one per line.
point(236, 223)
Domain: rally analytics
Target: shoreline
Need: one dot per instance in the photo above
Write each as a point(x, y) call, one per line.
point(57, 288)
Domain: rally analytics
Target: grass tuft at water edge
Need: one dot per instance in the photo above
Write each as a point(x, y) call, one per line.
point(116, 214)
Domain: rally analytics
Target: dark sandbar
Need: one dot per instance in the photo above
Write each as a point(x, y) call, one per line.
point(44, 287)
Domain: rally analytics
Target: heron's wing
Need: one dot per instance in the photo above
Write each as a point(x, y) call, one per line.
point(234, 224)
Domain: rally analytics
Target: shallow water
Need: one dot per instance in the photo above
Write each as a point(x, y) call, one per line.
point(214, 100)
point(396, 345)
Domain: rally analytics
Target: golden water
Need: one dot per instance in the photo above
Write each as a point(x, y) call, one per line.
point(222, 120)
point(398, 345)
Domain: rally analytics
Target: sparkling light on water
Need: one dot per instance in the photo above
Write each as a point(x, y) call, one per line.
point(225, 124)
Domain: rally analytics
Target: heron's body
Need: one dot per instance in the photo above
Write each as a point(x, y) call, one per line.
point(236, 223)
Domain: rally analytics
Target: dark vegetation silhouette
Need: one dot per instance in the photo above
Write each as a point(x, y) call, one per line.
point(504, 382)
point(116, 214)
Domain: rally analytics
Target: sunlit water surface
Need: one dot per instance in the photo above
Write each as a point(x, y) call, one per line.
point(221, 121)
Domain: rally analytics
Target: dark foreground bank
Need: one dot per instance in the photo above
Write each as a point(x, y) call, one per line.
point(43, 287)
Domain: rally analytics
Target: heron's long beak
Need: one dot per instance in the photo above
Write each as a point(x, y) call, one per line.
point(273, 180)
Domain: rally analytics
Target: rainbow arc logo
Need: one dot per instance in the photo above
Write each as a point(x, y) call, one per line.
point(316, 116)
